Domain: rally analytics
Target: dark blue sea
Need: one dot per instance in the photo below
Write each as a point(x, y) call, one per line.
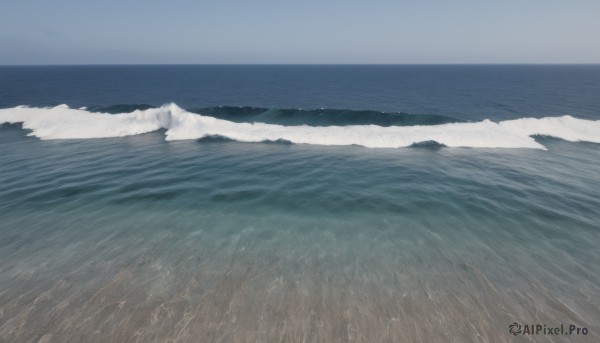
point(263, 203)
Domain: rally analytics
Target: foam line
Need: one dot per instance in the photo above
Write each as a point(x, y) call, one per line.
point(62, 122)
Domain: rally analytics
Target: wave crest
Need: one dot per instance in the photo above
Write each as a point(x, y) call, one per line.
point(289, 117)
point(62, 122)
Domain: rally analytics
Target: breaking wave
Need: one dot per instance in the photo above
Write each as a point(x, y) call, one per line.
point(311, 117)
point(62, 122)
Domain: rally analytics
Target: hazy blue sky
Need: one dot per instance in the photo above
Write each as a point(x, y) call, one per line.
point(309, 31)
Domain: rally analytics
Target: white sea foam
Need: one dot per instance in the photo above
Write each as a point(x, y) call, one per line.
point(565, 127)
point(62, 122)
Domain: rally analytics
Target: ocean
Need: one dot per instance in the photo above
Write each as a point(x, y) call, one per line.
point(299, 203)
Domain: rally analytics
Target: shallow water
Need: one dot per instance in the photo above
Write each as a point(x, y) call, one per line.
point(137, 239)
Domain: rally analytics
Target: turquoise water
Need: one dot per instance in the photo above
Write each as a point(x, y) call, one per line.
point(140, 239)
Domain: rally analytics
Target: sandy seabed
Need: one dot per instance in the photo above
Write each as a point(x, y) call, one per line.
point(131, 283)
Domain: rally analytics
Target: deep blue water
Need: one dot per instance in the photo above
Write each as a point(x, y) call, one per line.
point(462, 91)
point(211, 239)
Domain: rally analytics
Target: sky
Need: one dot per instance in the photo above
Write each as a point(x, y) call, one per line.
point(299, 32)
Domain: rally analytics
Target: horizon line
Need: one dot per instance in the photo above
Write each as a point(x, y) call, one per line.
point(293, 64)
